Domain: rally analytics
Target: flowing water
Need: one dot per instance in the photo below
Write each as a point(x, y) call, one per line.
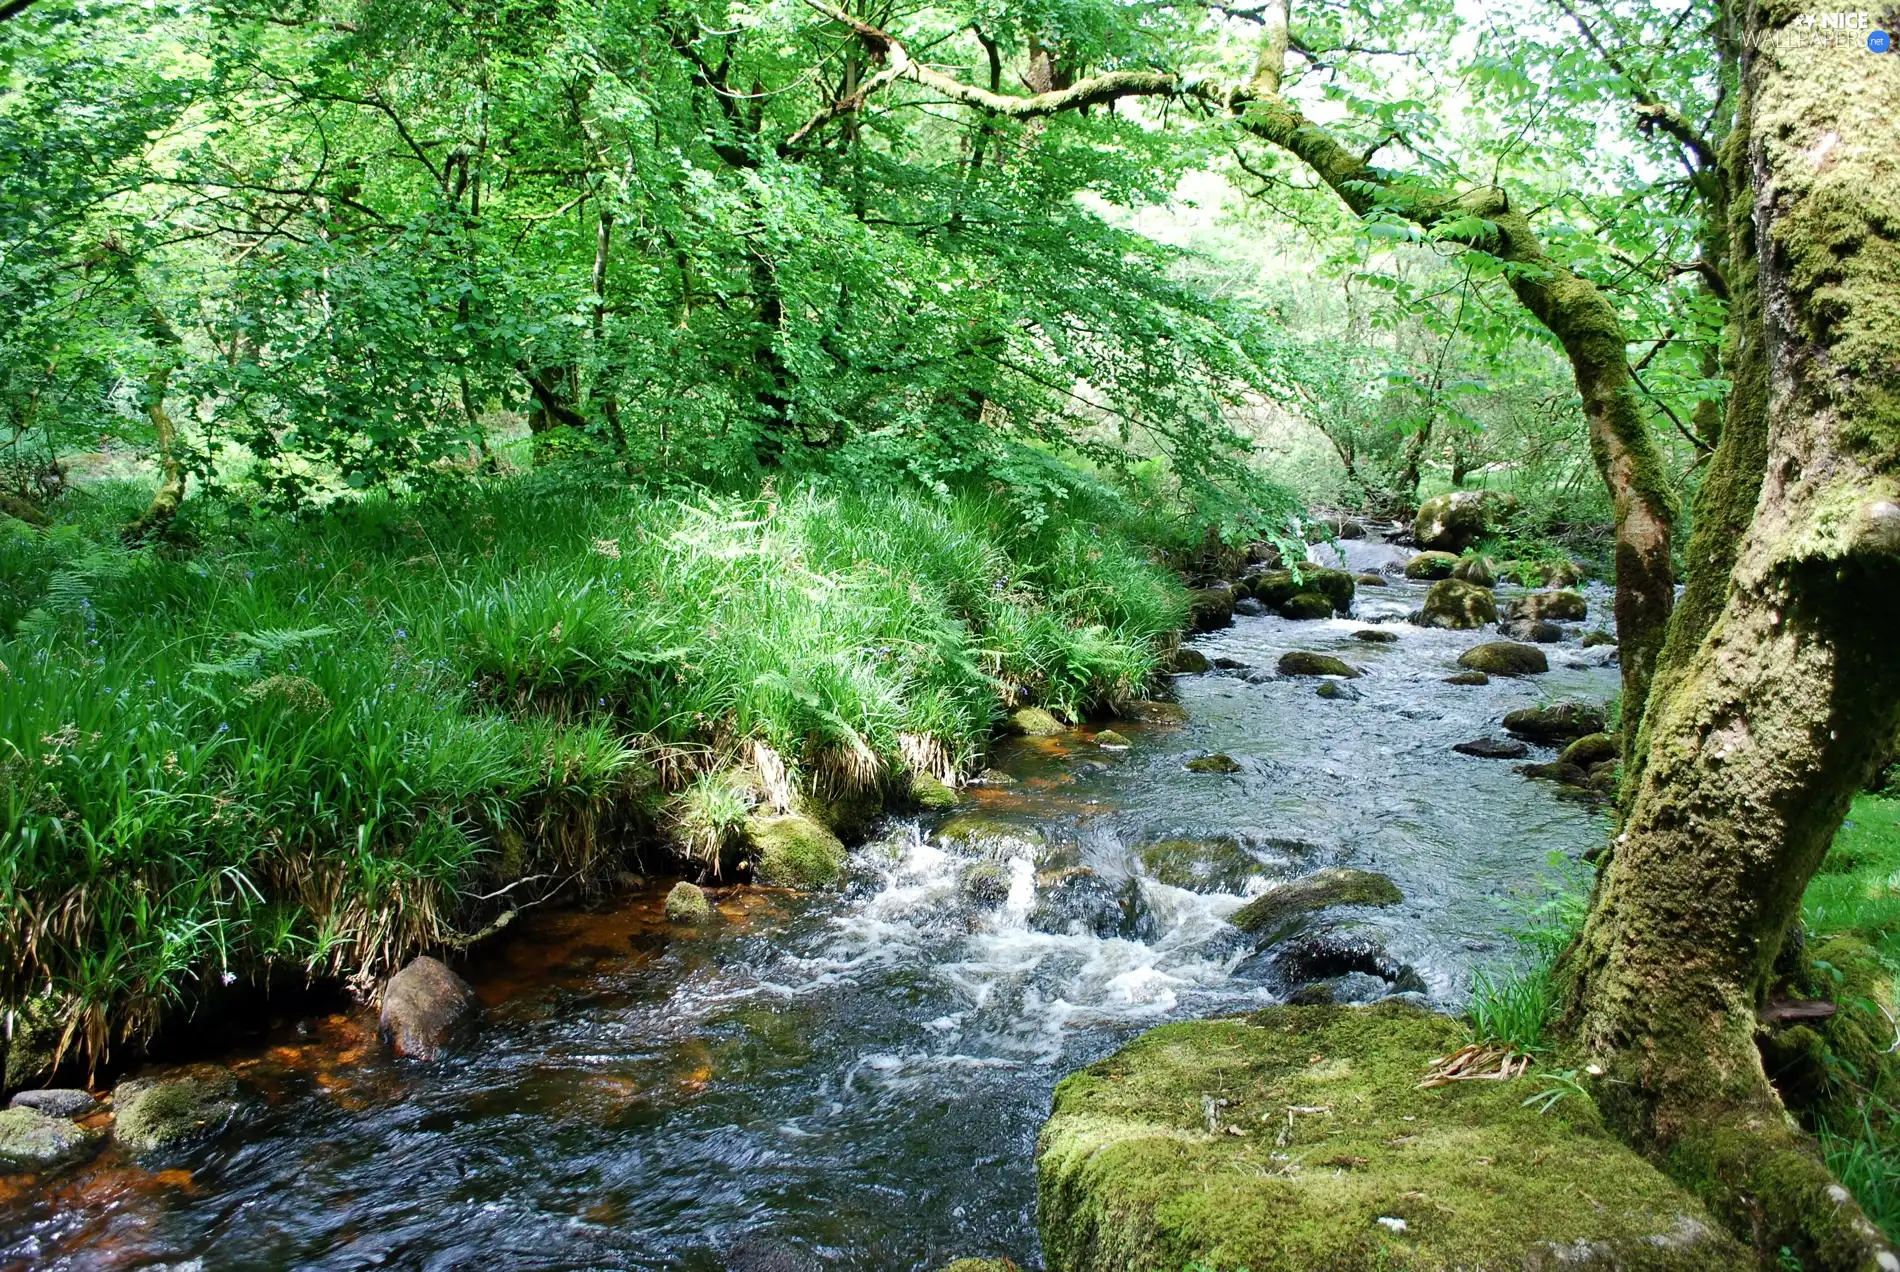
point(855, 1080)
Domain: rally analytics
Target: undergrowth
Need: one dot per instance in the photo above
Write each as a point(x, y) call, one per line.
point(317, 747)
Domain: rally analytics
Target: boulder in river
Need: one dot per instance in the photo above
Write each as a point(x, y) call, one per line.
point(1247, 607)
point(1034, 722)
point(1590, 749)
point(1277, 587)
point(1505, 658)
point(1112, 740)
point(1599, 637)
point(1561, 607)
point(1304, 662)
point(1468, 678)
point(1172, 1152)
point(1333, 953)
point(1453, 521)
point(1271, 915)
point(1218, 864)
point(1370, 580)
point(1154, 711)
point(181, 1106)
point(1458, 605)
point(929, 791)
point(1376, 636)
point(1475, 569)
point(1341, 527)
point(1082, 901)
point(988, 833)
point(1306, 607)
point(1556, 723)
point(55, 1101)
point(1493, 749)
point(687, 903)
point(986, 883)
point(1536, 630)
point(1215, 763)
point(428, 1011)
point(1210, 608)
point(32, 1140)
point(794, 851)
point(1431, 565)
point(1187, 662)
point(1336, 691)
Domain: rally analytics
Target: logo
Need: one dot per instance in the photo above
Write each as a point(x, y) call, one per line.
point(1879, 42)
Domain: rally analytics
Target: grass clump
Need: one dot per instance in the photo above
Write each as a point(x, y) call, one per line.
point(317, 746)
point(1513, 1003)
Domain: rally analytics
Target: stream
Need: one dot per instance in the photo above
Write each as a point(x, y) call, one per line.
point(855, 1080)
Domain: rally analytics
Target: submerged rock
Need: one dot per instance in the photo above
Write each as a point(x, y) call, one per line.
point(1333, 954)
point(1453, 521)
point(1468, 678)
point(1306, 607)
point(1555, 723)
point(1457, 605)
point(1376, 636)
point(1505, 658)
point(986, 832)
point(1188, 662)
point(1082, 901)
point(1431, 565)
point(986, 883)
point(1304, 662)
point(1219, 864)
point(929, 791)
point(55, 1102)
point(1216, 763)
point(794, 851)
point(1336, 691)
point(1272, 914)
point(31, 1139)
point(1563, 607)
point(428, 1011)
point(687, 903)
point(1493, 749)
point(1280, 1141)
point(1154, 711)
point(1034, 722)
point(1590, 749)
point(177, 1108)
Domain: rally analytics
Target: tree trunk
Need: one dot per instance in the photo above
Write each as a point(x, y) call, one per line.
point(166, 501)
point(1774, 722)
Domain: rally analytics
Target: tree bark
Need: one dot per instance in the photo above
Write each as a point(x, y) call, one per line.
point(170, 494)
point(1775, 721)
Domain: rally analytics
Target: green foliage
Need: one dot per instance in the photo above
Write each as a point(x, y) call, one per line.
point(1513, 1004)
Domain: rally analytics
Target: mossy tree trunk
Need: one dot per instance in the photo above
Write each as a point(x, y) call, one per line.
point(1760, 741)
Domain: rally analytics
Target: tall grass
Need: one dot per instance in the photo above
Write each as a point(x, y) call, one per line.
point(321, 746)
point(1513, 1003)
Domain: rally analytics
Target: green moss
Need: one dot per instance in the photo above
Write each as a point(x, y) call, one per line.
point(1431, 565)
point(985, 832)
point(1213, 764)
point(177, 1108)
point(1458, 605)
point(794, 851)
point(1306, 607)
point(687, 903)
point(1303, 662)
point(1271, 915)
point(1034, 722)
point(1111, 739)
point(1219, 864)
point(1277, 587)
point(31, 1140)
point(1139, 1168)
point(1153, 711)
point(1592, 748)
point(1468, 678)
point(1505, 658)
point(1188, 662)
point(927, 791)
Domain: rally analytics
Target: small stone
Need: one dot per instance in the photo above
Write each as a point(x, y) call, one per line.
point(1536, 630)
point(1250, 608)
point(1188, 662)
point(1557, 771)
point(178, 1107)
point(34, 1140)
point(1468, 678)
point(995, 777)
point(1213, 764)
point(1555, 723)
point(795, 851)
point(687, 903)
point(1369, 580)
point(1376, 636)
point(1589, 750)
point(928, 791)
point(1493, 749)
point(428, 1011)
point(1505, 658)
point(1034, 722)
point(1112, 740)
point(1303, 662)
point(1337, 691)
point(1230, 664)
point(55, 1102)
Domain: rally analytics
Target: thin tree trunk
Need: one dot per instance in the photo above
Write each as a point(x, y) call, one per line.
point(170, 495)
point(1775, 721)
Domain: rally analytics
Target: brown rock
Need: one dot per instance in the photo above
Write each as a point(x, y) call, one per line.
point(428, 1011)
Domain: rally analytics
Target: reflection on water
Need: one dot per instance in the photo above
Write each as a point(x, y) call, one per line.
point(856, 1080)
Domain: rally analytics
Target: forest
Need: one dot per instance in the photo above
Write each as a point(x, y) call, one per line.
point(785, 634)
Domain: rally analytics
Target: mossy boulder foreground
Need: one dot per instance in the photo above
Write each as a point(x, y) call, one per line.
point(1273, 914)
point(33, 1140)
point(1458, 605)
point(173, 1109)
point(794, 851)
point(687, 903)
point(1298, 1139)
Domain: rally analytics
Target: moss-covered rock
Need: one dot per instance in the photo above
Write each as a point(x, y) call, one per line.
point(1306, 607)
point(1460, 606)
point(687, 903)
point(1370, 580)
point(1298, 1139)
point(1589, 750)
point(1188, 662)
point(1555, 723)
point(986, 883)
point(1599, 637)
point(794, 851)
point(1556, 607)
point(1215, 763)
point(987, 833)
point(1453, 521)
point(1468, 678)
point(1271, 915)
point(1217, 864)
point(1304, 662)
point(1336, 691)
point(36, 1141)
point(1505, 658)
point(1376, 636)
point(1034, 722)
point(175, 1108)
point(1493, 749)
point(1277, 587)
point(927, 791)
point(982, 1265)
point(1210, 608)
point(1154, 711)
point(1431, 565)
point(1537, 631)
point(1112, 740)
point(1476, 569)
point(33, 1046)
